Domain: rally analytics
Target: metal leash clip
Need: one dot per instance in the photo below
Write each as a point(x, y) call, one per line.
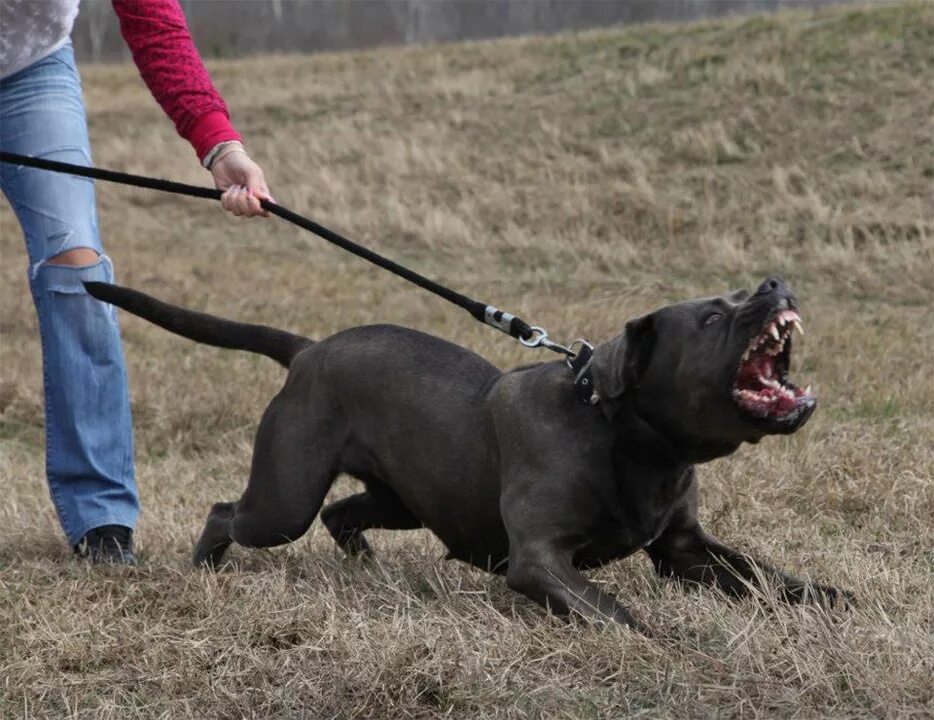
point(539, 338)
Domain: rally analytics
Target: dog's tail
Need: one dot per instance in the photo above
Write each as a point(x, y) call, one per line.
point(279, 345)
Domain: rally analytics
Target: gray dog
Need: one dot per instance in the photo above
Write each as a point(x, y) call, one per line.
point(511, 470)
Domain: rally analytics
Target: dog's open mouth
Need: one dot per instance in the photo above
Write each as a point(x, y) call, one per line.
point(762, 388)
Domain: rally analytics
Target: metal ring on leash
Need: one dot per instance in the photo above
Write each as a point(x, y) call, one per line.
point(536, 339)
point(539, 338)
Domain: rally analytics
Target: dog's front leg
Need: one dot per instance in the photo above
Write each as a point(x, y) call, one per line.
point(686, 552)
point(546, 575)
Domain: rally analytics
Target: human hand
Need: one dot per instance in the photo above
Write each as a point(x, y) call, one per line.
point(242, 181)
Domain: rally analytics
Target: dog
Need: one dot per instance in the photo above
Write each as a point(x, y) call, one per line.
point(510, 470)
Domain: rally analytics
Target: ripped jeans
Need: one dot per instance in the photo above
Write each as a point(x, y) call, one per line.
point(88, 427)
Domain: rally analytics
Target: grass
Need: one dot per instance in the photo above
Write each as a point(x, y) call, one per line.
point(577, 180)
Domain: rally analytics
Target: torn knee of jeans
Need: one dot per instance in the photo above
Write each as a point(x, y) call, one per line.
point(89, 264)
point(80, 257)
point(77, 257)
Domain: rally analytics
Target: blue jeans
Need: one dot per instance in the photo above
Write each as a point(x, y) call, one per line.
point(88, 427)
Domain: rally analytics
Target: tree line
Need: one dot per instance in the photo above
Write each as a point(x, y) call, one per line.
point(230, 28)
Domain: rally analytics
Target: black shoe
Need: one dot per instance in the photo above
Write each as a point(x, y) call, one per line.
point(108, 544)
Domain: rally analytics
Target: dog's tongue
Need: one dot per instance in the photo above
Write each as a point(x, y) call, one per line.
point(758, 366)
point(783, 403)
point(764, 398)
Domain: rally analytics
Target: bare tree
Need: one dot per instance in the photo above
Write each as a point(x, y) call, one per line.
point(98, 17)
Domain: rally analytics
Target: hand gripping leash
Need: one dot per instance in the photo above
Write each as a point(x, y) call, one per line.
point(531, 336)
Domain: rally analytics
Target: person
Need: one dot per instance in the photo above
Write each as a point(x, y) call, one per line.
point(88, 426)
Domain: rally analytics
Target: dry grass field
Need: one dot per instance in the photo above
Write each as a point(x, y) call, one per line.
point(577, 180)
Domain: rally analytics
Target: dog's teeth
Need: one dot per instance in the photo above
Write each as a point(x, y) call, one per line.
point(807, 390)
point(798, 326)
point(773, 331)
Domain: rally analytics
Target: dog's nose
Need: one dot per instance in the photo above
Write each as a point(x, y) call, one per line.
point(778, 290)
point(773, 284)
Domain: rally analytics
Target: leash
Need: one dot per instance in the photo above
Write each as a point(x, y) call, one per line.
point(531, 336)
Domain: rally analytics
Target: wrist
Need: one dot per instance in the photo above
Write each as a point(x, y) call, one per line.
point(221, 150)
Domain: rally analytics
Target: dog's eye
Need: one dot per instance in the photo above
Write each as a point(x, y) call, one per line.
point(712, 318)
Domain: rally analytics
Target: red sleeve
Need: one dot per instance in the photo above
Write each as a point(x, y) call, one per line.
point(162, 48)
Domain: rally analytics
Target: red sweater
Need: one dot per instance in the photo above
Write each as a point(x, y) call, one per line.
point(162, 48)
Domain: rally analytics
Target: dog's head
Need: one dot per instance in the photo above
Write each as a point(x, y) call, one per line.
point(709, 374)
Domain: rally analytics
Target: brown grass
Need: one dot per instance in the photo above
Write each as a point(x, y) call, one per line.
point(579, 181)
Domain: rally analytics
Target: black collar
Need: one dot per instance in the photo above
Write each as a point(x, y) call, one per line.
point(579, 365)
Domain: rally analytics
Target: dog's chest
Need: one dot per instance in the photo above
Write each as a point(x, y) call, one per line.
point(635, 513)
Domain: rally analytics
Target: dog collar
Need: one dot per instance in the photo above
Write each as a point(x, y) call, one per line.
point(579, 365)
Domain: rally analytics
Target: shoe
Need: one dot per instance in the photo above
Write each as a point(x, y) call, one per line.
point(107, 545)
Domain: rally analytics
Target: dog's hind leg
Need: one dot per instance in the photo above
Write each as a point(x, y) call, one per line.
point(378, 507)
point(215, 538)
point(295, 460)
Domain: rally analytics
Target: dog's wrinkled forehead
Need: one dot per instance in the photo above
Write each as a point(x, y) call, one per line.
point(702, 308)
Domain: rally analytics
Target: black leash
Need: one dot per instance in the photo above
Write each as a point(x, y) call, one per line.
point(529, 335)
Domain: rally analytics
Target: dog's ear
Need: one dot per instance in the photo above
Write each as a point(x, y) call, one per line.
point(619, 363)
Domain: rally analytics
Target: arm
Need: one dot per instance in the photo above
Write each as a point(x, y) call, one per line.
point(157, 34)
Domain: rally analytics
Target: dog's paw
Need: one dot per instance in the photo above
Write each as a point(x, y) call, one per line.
point(836, 598)
point(831, 597)
point(209, 556)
